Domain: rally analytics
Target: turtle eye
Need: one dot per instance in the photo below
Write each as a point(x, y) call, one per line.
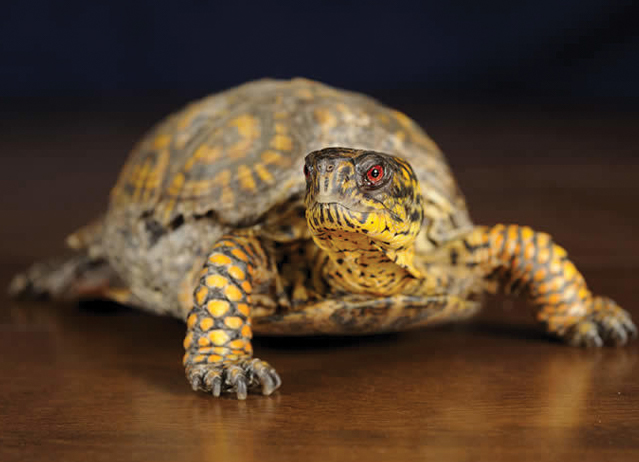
point(375, 174)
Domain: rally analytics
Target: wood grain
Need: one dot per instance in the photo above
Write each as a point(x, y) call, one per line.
point(97, 382)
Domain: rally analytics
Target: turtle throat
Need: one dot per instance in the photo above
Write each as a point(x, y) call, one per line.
point(358, 262)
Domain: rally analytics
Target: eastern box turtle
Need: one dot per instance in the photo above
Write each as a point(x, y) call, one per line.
point(222, 218)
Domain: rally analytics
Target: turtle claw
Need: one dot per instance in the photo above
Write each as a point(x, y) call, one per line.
point(608, 324)
point(234, 377)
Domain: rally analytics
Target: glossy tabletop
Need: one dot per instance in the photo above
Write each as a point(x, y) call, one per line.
point(95, 381)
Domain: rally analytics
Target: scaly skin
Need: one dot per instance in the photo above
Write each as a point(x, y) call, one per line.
point(218, 343)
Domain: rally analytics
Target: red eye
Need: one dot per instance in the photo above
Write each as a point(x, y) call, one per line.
point(375, 174)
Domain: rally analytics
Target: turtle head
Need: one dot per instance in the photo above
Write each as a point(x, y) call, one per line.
point(363, 200)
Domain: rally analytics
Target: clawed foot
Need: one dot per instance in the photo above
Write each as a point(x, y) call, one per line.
point(235, 377)
point(608, 324)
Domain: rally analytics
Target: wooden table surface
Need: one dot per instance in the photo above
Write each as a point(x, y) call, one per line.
point(94, 381)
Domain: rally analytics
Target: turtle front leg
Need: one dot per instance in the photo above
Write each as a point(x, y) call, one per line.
point(525, 260)
point(219, 355)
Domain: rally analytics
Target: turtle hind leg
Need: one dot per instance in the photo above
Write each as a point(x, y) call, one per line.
point(72, 277)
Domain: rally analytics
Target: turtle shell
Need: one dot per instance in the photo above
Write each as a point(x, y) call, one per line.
point(239, 153)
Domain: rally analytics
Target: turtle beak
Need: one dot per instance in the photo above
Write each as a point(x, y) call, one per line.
point(326, 180)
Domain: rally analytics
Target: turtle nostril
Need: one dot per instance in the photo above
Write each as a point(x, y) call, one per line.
point(330, 167)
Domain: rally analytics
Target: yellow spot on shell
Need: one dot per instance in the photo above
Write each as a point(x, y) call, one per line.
point(219, 259)
point(282, 143)
point(248, 128)
point(233, 322)
point(233, 293)
point(218, 337)
point(206, 323)
point(236, 272)
point(214, 358)
point(199, 359)
point(188, 340)
point(263, 173)
point(223, 177)
point(325, 118)
point(217, 307)
point(248, 348)
point(275, 158)
point(245, 178)
point(201, 295)
point(247, 287)
point(247, 125)
point(161, 141)
point(203, 154)
point(400, 136)
point(176, 184)
point(191, 320)
point(203, 341)
point(305, 94)
point(216, 281)
point(403, 119)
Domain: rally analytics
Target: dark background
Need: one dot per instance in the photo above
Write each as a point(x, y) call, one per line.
point(533, 102)
point(552, 50)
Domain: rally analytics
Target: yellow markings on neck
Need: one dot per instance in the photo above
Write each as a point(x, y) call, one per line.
point(366, 272)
